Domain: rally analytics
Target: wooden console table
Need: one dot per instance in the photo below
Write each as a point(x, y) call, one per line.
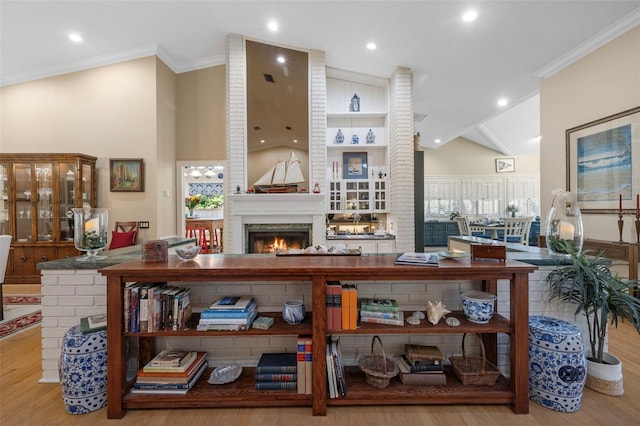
point(317, 270)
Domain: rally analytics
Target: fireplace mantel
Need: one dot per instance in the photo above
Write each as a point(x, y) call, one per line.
point(242, 209)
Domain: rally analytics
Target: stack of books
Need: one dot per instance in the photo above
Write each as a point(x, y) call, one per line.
point(229, 313)
point(381, 311)
point(335, 369)
point(277, 371)
point(422, 365)
point(171, 372)
point(342, 306)
point(151, 307)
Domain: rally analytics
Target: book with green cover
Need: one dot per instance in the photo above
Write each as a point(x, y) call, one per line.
point(379, 305)
point(93, 323)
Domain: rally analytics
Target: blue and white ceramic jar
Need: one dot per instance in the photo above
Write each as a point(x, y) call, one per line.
point(371, 138)
point(83, 370)
point(478, 306)
point(355, 140)
point(293, 312)
point(339, 137)
point(557, 364)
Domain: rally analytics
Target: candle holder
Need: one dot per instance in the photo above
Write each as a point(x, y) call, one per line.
point(620, 227)
point(90, 232)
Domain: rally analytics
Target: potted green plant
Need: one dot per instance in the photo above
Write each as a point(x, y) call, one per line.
point(603, 298)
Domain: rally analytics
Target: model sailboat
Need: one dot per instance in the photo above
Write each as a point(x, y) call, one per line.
point(283, 177)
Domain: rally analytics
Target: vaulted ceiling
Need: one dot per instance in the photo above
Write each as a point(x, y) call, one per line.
point(460, 68)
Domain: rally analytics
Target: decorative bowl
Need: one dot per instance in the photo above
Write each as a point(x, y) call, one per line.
point(187, 252)
point(478, 306)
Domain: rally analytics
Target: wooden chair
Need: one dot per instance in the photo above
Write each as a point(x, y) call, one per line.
point(516, 230)
point(128, 227)
point(463, 226)
point(118, 239)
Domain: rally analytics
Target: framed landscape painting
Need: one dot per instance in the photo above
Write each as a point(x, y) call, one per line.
point(126, 175)
point(603, 164)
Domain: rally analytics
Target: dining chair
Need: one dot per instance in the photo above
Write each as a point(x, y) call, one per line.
point(463, 226)
point(200, 234)
point(131, 226)
point(516, 230)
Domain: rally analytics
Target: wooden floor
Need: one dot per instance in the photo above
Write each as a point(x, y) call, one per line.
point(25, 401)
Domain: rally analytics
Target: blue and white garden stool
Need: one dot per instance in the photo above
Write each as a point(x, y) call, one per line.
point(83, 370)
point(557, 364)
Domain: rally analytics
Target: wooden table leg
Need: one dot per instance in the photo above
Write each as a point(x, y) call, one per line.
point(319, 349)
point(519, 354)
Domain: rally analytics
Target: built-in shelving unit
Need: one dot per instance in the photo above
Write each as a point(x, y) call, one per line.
point(317, 270)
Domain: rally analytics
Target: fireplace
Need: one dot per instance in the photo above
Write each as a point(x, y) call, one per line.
point(268, 238)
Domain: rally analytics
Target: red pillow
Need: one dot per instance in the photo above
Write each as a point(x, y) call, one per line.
point(121, 239)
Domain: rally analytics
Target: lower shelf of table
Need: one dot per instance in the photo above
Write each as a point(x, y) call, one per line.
point(397, 393)
point(242, 393)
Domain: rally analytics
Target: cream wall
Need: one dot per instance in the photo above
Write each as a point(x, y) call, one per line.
point(201, 115)
point(601, 84)
point(107, 112)
point(462, 157)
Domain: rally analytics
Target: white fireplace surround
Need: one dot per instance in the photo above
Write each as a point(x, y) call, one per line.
point(243, 209)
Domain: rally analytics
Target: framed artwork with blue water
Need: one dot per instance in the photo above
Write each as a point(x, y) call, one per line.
point(603, 163)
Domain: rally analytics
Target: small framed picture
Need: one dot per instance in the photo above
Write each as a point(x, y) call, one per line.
point(354, 165)
point(126, 175)
point(505, 165)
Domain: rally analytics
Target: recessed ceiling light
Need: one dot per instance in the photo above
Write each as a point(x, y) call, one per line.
point(75, 37)
point(502, 102)
point(272, 25)
point(537, 139)
point(470, 16)
point(261, 140)
point(371, 46)
point(281, 59)
point(437, 141)
point(295, 141)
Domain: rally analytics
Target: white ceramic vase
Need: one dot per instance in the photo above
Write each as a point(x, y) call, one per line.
point(605, 378)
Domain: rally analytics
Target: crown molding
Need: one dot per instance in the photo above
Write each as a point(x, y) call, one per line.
point(113, 58)
point(621, 27)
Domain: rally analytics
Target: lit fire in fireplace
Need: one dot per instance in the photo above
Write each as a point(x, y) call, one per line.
point(280, 244)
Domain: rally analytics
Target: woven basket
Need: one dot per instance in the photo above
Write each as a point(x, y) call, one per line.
point(474, 370)
point(377, 368)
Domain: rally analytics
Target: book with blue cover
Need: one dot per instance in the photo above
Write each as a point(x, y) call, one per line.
point(229, 313)
point(278, 362)
point(231, 303)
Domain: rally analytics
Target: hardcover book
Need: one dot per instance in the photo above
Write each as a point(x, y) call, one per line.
point(379, 305)
point(408, 366)
point(301, 363)
point(172, 388)
point(170, 358)
point(276, 377)
point(279, 362)
point(387, 321)
point(93, 323)
point(276, 385)
point(423, 352)
point(229, 313)
point(184, 365)
point(262, 323)
point(164, 377)
point(424, 259)
point(376, 314)
point(423, 379)
point(231, 303)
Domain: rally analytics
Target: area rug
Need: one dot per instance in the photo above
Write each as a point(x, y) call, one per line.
point(20, 313)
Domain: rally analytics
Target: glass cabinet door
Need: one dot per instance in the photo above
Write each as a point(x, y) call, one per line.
point(23, 207)
point(87, 184)
point(4, 200)
point(67, 173)
point(44, 201)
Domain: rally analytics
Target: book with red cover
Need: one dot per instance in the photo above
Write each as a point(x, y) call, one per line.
point(300, 363)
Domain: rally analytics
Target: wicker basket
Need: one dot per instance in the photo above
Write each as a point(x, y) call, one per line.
point(474, 370)
point(377, 368)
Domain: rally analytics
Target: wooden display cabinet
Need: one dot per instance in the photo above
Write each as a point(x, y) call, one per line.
point(38, 192)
